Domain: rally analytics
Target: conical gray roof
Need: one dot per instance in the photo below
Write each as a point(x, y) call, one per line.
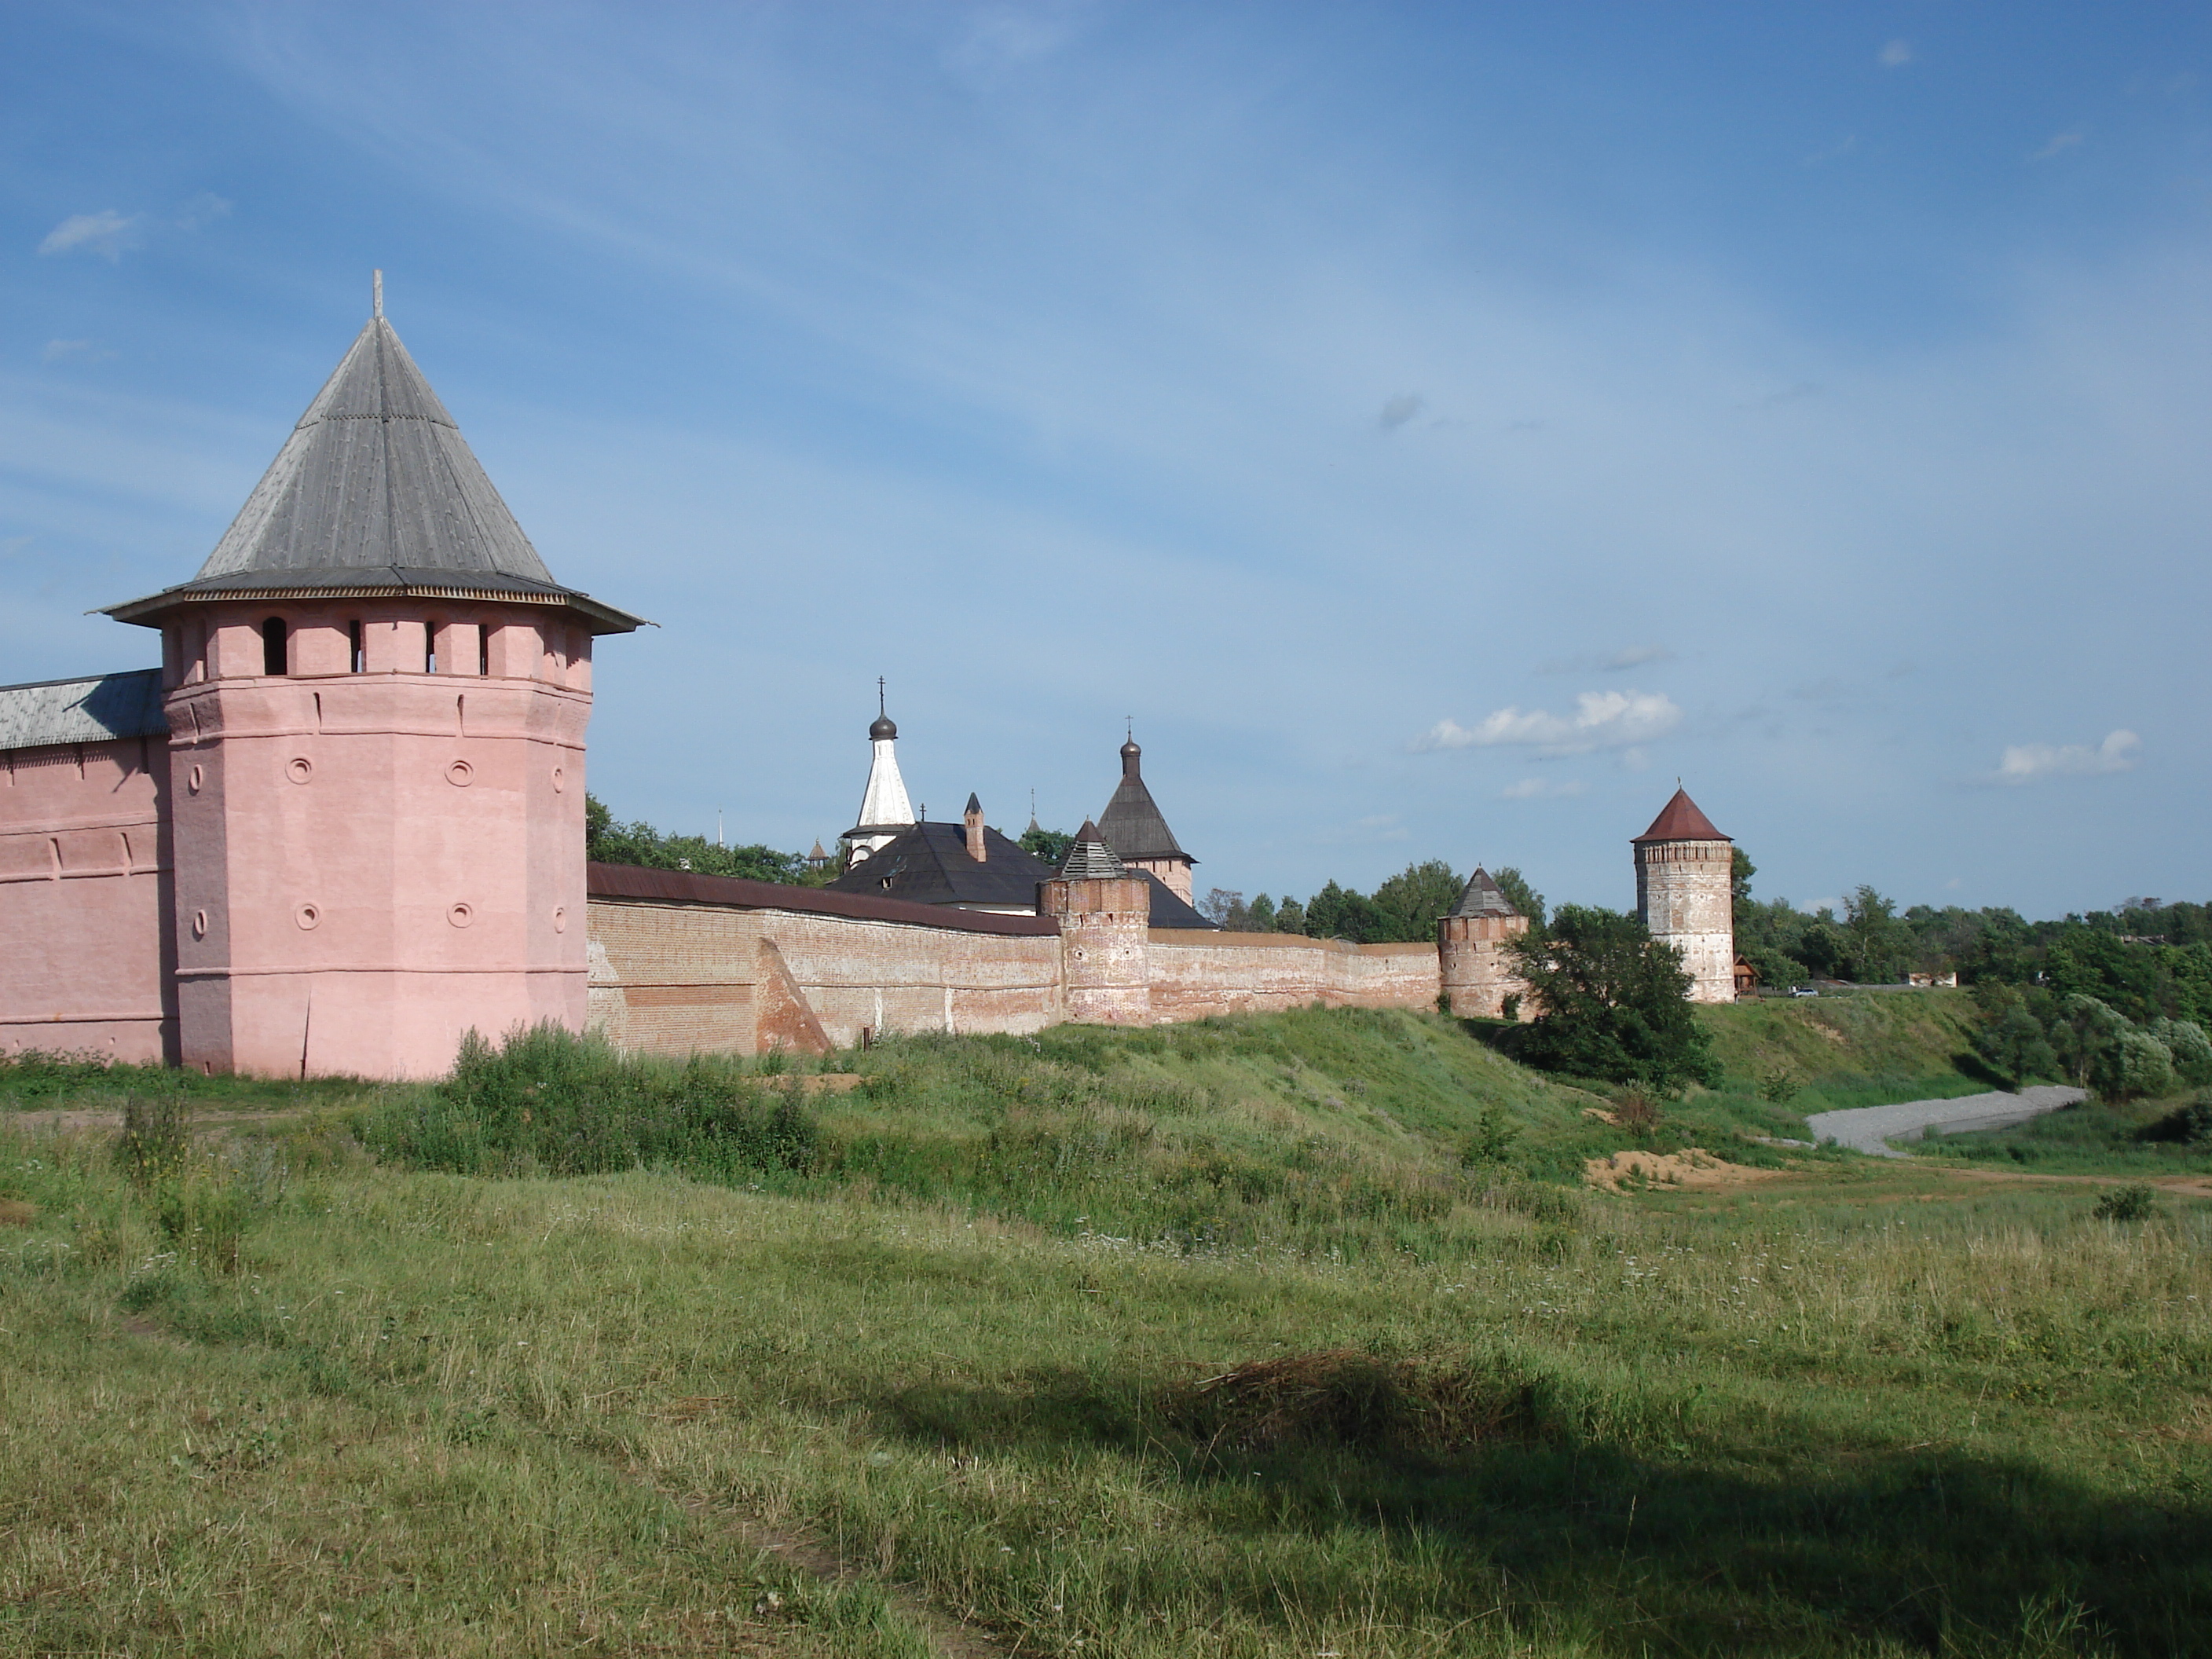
point(376, 490)
point(1131, 823)
point(1483, 897)
point(1091, 859)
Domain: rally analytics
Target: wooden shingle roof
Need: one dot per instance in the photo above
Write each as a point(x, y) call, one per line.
point(376, 492)
point(1680, 820)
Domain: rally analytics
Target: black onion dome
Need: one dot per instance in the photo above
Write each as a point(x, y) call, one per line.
point(882, 729)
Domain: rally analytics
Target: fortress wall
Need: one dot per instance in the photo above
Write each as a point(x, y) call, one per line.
point(1196, 974)
point(86, 950)
point(739, 971)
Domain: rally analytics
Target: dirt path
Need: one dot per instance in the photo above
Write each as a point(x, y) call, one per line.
point(63, 1121)
point(1870, 1129)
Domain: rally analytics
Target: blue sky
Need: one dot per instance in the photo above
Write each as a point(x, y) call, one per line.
point(1439, 427)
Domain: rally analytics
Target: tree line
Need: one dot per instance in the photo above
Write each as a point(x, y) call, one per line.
point(1403, 910)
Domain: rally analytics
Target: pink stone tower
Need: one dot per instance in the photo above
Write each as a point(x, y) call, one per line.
point(376, 697)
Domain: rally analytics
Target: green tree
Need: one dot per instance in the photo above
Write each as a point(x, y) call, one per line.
point(1408, 905)
point(606, 841)
point(1289, 916)
point(1612, 1002)
point(1048, 845)
point(1878, 943)
point(1520, 895)
point(1263, 915)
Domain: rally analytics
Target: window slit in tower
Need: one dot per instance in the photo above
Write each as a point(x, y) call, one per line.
point(429, 647)
point(483, 651)
point(358, 658)
point(273, 654)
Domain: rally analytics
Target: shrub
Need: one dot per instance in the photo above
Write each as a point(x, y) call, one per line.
point(2184, 1039)
point(548, 1099)
point(2130, 1063)
point(2133, 1202)
point(1779, 1085)
point(156, 1140)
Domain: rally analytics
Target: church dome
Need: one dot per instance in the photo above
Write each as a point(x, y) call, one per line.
point(882, 729)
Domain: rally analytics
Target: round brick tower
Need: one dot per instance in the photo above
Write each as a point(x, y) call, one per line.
point(1104, 912)
point(1684, 868)
point(376, 697)
point(1471, 956)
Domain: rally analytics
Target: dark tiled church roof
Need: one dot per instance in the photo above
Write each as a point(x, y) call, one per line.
point(1680, 820)
point(1483, 897)
point(377, 492)
point(1131, 823)
point(928, 864)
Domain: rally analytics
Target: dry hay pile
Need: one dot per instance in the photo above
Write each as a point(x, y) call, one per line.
point(1345, 1397)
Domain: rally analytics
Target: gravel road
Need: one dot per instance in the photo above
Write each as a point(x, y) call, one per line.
point(1870, 1128)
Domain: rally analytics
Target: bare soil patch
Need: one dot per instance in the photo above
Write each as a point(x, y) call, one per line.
point(1692, 1169)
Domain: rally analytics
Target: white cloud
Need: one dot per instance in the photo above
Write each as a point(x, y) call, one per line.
point(203, 209)
point(106, 233)
point(58, 350)
point(1636, 656)
point(2060, 142)
point(1542, 789)
point(1896, 54)
point(1601, 719)
point(2030, 762)
point(1402, 409)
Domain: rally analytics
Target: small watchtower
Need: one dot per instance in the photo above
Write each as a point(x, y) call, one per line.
point(1132, 826)
point(1471, 951)
point(1684, 895)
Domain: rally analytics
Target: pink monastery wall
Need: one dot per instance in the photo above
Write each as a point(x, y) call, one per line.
point(677, 965)
point(683, 962)
point(86, 956)
point(1195, 975)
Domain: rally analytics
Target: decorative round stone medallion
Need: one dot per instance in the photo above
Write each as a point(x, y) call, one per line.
point(194, 782)
point(460, 775)
point(560, 780)
point(199, 924)
point(307, 916)
point(560, 919)
point(299, 768)
point(460, 915)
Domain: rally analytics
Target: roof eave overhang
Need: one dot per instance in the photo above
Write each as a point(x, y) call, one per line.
point(152, 611)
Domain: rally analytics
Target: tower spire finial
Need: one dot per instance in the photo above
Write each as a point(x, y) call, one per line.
point(376, 293)
point(881, 709)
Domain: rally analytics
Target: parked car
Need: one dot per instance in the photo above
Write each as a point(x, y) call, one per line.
point(1804, 990)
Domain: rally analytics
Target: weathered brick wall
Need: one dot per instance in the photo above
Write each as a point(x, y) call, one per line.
point(681, 963)
point(87, 951)
point(672, 977)
point(1477, 975)
point(1684, 895)
point(1196, 974)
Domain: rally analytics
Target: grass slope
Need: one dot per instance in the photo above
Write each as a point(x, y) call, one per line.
point(1839, 1045)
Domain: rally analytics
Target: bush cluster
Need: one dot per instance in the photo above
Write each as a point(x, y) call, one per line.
point(2036, 1033)
point(545, 1099)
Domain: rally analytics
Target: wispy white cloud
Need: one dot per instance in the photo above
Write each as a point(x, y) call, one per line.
point(1896, 54)
point(1632, 656)
point(111, 235)
point(1542, 788)
point(91, 351)
point(2060, 143)
point(2032, 762)
point(1835, 152)
point(1401, 409)
point(1601, 719)
point(106, 233)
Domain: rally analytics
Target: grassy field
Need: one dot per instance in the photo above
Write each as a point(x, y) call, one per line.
point(1284, 1335)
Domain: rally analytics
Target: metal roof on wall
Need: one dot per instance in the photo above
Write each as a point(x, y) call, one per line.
point(99, 708)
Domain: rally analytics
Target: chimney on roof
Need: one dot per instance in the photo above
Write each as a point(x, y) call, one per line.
point(973, 819)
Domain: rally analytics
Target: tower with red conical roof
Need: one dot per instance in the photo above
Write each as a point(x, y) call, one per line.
point(1684, 897)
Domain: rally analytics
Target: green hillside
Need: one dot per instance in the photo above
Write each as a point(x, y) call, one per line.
point(1849, 1049)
